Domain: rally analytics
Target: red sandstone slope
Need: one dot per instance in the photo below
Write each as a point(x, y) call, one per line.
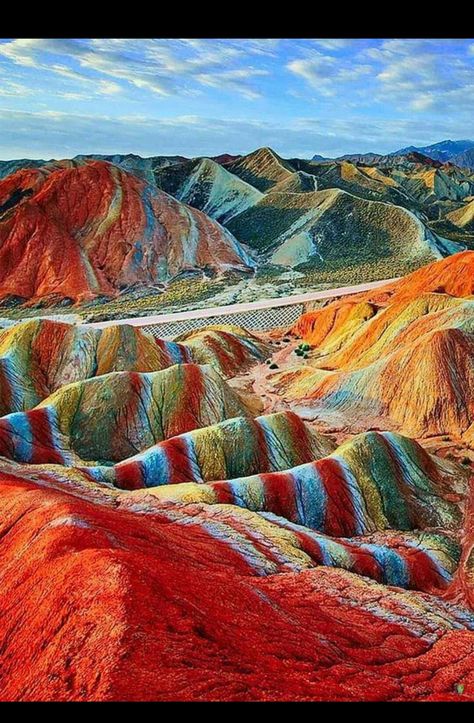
point(333, 325)
point(78, 229)
point(453, 275)
point(102, 603)
point(400, 357)
point(340, 319)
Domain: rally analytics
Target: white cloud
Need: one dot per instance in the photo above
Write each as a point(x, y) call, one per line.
point(237, 80)
point(162, 67)
point(333, 43)
point(424, 75)
point(15, 90)
point(108, 87)
point(325, 73)
point(74, 96)
point(420, 75)
point(317, 70)
point(423, 102)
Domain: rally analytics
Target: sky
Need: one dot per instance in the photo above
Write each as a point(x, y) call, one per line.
point(194, 97)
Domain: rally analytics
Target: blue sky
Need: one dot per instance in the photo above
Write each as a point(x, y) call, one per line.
point(60, 97)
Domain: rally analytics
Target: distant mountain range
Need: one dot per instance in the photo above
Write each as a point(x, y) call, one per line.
point(465, 159)
point(461, 153)
point(443, 151)
point(96, 227)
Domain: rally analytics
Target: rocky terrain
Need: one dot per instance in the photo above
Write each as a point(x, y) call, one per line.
point(418, 331)
point(120, 235)
point(73, 231)
point(244, 517)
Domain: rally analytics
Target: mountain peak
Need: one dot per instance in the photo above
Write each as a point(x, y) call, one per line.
point(265, 152)
point(263, 168)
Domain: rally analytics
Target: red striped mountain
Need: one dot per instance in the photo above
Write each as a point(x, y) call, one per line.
point(78, 229)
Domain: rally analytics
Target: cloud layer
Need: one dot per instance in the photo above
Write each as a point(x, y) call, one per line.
point(63, 96)
point(51, 134)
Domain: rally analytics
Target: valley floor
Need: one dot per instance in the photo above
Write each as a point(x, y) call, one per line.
point(197, 292)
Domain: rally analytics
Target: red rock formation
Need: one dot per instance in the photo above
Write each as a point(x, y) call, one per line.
point(453, 275)
point(100, 602)
point(402, 354)
point(78, 229)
